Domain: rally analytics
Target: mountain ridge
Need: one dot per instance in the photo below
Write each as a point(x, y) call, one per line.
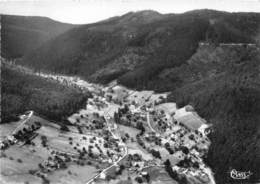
point(122, 46)
point(205, 58)
point(21, 34)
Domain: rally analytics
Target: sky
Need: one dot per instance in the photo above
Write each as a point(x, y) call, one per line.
point(89, 11)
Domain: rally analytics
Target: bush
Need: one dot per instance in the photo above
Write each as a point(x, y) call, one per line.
point(64, 128)
point(156, 154)
point(168, 169)
point(139, 179)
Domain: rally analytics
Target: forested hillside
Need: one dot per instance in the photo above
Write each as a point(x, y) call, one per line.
point(195, 55)
point(230, 100)
point(136, 47)
point(22, 34)
point(21, 92)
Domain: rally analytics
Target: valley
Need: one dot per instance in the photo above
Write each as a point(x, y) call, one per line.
point(120, 134)
point(144, 97)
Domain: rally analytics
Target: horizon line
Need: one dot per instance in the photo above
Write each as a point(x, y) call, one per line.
point(127, 12)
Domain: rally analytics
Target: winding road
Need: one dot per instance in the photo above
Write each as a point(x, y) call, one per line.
point(107, 118)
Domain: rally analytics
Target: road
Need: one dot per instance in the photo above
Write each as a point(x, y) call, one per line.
point(206, 169)
point(107, 118)
point(23, 122)
point(148, 121)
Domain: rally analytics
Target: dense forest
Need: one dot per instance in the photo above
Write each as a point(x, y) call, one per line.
point(161, 52)
point(21, 92)
point(136, 47)
point(22, 34)
point(230, 101)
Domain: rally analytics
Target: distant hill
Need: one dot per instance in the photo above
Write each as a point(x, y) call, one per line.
point(148, 50)
point(136, 47)
point(21, 34)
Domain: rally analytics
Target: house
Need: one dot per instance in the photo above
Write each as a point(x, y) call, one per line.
point(138, 164)
point(102, 175)
point(204, 129)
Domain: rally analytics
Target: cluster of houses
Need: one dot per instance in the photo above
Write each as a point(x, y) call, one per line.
point(24, 133)
point(181, 132)
point(166, 133)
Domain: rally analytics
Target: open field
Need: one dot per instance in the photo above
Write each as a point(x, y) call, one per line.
point(129, 130)
point(169, 108)
point(17, 162)
point(96, 148)
point(140, 97)
point(135, 149)
point(13, 170)
point(73, 174)
point(7, 128)
point(20, 179)
point(189, 118)
point(159, 176)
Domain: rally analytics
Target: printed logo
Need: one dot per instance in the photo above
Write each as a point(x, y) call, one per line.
point(240, 175)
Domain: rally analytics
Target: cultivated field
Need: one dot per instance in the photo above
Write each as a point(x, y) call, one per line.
point(18, 162)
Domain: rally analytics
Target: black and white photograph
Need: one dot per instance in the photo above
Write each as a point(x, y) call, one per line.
point(130, 92)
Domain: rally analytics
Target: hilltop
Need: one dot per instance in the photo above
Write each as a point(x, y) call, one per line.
point(21, 34)
point(134, 48)
point(209, 59)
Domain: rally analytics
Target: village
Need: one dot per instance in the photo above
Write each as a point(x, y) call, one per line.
point(125, 134)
